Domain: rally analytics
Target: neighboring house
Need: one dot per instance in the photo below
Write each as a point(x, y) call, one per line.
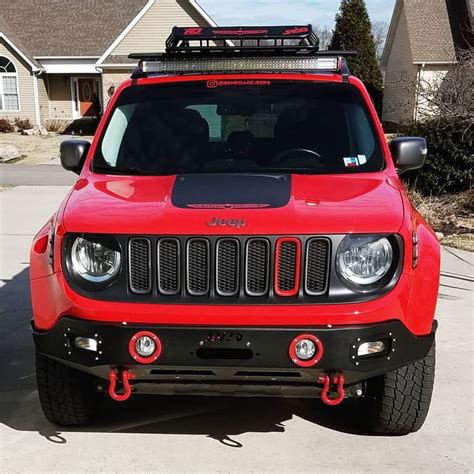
point(424, 39)
point(62, 59)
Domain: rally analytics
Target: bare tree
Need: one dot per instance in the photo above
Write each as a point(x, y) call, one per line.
point(451, 95)
point(379, 32)
point(437, 94)
point(324, 34)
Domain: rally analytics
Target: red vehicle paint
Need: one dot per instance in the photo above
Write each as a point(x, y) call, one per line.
point(320, 213)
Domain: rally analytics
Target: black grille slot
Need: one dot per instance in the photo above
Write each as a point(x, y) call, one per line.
point(227, 267)
point(256, 261)
point(139, 254)
point(197, 267)
point(287, 262)
point(168, 266)
point(316, 273)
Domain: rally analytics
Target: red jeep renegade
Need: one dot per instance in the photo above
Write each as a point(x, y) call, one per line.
point(238, 228)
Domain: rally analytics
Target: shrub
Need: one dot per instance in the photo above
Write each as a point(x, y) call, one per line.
point(448, 167)
point(55, 126)
point(6, 126)
point(22, 124)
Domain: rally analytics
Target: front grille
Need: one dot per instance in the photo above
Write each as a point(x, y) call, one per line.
point(227, 267)
point(168, 254)
point(140, 265)
point(257, 267)
point(317, 253)
point(260, 269)
point(288, 266)
point(197, 267)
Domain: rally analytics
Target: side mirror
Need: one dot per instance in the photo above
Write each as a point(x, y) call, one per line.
point(73, 154)
point(408, 153)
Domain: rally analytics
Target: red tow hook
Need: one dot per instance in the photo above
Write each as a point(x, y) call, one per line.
point(339, 382)
point(126, 376)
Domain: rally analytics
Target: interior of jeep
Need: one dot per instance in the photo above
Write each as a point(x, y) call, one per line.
point(309, 128)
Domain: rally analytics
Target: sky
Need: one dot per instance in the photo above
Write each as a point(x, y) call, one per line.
point(280, 12)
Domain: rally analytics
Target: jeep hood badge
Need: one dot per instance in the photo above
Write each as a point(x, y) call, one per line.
point(237, 223)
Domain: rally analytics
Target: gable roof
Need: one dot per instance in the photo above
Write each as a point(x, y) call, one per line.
point(436, 28)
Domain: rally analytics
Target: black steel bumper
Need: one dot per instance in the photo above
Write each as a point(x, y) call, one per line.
point(242, 355)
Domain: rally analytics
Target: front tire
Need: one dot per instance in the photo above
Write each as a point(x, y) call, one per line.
point(398, 401)
point(67, 396)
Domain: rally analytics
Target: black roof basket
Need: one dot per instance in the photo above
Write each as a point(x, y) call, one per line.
point(272, 40)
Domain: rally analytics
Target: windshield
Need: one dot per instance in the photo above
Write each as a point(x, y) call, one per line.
point(239, 127)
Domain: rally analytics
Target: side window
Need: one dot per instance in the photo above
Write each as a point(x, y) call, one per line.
point(209, 114)
point(9, 96)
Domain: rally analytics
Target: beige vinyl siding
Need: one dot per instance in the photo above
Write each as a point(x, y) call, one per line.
point(59, 87)
point(111, 79)
point(151, 32)
point(43, 97)
point(25, 86)
point(400, 76)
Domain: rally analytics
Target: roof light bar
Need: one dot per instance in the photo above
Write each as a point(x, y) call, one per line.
point(245, 64)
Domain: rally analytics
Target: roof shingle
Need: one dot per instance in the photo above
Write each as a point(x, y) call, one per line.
point(66, 27)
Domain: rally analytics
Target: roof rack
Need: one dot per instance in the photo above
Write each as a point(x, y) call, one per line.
point(242, 40)
point(197, 50)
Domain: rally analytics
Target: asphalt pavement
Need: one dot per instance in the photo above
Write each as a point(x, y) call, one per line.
point(220, 434)
point(35, 175)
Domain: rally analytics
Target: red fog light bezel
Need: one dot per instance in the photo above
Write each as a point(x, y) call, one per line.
point(310, 362)
point(136, 356)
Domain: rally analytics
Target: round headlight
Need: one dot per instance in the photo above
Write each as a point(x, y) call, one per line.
point(94, 261)
point(364, 260)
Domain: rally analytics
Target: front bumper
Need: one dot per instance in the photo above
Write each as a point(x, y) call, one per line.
point(241, 356)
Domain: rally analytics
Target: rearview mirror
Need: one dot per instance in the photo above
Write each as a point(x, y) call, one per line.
point(73, 154)
point(408, 153)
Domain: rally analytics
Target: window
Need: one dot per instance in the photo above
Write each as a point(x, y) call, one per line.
point(9, 99)
point(282, 126)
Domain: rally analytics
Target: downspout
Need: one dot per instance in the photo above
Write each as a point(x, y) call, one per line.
point(36, 95)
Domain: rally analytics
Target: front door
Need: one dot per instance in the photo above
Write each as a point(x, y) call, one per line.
point(86, 97)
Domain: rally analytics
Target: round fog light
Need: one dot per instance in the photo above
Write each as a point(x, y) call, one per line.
point(145, 347)
point(305, 350)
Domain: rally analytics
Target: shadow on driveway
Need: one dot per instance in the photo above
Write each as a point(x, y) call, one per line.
point(219, 418)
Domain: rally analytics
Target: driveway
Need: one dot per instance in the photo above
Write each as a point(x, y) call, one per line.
point(220, 434)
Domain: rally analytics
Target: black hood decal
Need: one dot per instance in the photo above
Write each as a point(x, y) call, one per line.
point(231, 191)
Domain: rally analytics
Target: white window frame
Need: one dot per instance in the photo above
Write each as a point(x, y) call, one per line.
point(9, 74)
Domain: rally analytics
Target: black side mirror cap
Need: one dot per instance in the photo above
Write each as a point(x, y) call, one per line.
point(408, 153)
point(73, 154)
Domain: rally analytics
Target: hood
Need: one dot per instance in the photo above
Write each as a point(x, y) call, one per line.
point(297, 204)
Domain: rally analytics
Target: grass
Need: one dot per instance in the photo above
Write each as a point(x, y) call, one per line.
point(451, 215)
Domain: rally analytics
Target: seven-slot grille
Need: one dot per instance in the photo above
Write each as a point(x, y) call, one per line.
point(228, 266)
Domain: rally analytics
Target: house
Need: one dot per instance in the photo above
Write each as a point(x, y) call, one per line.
point(423, 42)
point(62, 59)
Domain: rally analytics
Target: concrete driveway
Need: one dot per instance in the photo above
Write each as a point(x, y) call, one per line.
point(220, 434)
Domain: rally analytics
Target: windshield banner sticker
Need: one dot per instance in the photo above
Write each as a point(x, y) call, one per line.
point(214, 84)
point(354, 161)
